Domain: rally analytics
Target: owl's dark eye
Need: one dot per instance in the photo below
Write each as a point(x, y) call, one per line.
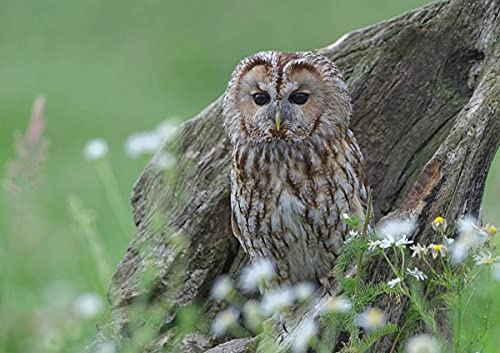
point(299, 98)
point(261, 98)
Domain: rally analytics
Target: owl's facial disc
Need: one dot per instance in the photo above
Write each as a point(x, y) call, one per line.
point(283, 105)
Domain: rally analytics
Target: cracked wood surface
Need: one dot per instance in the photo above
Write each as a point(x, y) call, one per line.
point(425, 90)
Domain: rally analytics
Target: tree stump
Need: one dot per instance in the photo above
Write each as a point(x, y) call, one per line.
point(425, 89)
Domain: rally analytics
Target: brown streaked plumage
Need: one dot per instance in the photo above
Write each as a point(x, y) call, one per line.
point(296, 165)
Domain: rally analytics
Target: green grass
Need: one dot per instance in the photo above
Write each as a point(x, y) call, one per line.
point(110, 68)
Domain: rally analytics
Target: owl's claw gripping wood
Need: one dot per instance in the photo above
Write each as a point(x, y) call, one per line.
point(296, 166)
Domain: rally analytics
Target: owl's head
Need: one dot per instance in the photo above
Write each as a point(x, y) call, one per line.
point(277, 96)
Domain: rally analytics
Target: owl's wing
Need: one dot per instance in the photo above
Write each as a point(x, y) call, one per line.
point(234, 226)
point(359, 205)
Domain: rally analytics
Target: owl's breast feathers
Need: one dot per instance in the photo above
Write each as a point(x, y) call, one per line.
point(287, 201)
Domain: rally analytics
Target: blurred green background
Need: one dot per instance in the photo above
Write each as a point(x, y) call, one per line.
point(109, 69)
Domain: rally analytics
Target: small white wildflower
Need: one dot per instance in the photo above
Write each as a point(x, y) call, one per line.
point(88, 305)
point(277, 300)
point(399, 241)
point(142, 143)
point(438, 249)
point(373, 244)
point(418, 250)
point(339, 305)
point(419, 275)
point(305, 333)
point(422, 344)
point(371, 319)
point(95, 149)
point(394, 282)
point(304, 290)
point(467, 226)
point(395, 228)
point(166, 130)
point(164, 161)
point(106, 347)
point(395, 233)
point(353, 234)
point(256, 274)
point(490, 229)
point(485, 258)
point(222, 287)
point(224, 321)
point(469, 237)
point(346, 216)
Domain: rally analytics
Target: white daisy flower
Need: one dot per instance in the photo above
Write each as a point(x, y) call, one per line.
point(166, 130)
point(371, 319)
point(305, 333)
point(490, 229)
point(225, 320)
point(395, 233)
point(394, 282)
point(419, 275)
point(373, 244)
point(422, 344)
point(339, 305)
point(469, 237)
point(439, 224)
point(353, 234)
point(257, 273)
point(397, 227)
point(485, 258)
point(392, 240)
point(467, 225)
point(277, 300)
point(222, 287)
point(88, 305)
point(418, 251)
point(142, 143)
point(95, 149)
point(438, 249)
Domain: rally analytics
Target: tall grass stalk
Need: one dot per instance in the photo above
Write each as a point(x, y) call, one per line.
point(115, 200)
point(85, 220)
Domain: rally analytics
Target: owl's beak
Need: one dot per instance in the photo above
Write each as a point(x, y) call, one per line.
point(278, 120)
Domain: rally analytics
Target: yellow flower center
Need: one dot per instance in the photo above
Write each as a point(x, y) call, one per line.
point(438, 220)
point(488, 261)
point(438, 247)
point(492, 230)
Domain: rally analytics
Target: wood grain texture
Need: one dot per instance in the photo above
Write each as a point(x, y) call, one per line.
point(425, 90)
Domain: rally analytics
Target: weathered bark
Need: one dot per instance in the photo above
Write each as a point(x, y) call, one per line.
point(426, 113)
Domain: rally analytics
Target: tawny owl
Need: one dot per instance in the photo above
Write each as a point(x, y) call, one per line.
point(296, 166)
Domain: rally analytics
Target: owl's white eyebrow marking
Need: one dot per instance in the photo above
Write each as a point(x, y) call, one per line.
point(261, 86)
